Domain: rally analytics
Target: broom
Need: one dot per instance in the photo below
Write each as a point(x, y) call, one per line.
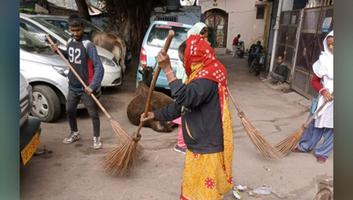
point(124, 157)
point(115, 125)
point(264, 147)
point(284, 147)
point(289, 143)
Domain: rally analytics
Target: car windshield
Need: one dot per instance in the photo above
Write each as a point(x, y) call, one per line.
point(63, 25)
point(29, 42)
point(159, 34)
point(53, 28)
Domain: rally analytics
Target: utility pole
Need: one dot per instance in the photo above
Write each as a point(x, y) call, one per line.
point(279, 10)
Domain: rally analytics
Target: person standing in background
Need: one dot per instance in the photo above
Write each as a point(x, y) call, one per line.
point(235, 44)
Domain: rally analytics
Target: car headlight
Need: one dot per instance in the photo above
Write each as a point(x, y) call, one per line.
point(106, 61)
point(61, 70)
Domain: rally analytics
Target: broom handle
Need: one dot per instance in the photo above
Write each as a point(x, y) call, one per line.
point(154, 80)
point(311, 118)
point(79, 78)
point(240, 112)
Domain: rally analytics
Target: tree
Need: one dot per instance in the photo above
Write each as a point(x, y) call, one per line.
point(130, 19)
point(83, 9)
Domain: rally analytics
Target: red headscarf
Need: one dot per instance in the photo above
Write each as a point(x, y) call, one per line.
point(200, 62)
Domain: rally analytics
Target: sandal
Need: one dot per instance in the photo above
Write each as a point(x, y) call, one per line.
point(321, 159)
point(297, 150)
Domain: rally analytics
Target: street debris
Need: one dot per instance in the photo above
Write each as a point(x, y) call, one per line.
point(325, 187)
point(241, 188)
point(267, 169)
point(43, 152)
point(263, 190)
point(236, 194)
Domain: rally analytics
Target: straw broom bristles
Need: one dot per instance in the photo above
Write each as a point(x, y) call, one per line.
point(290, 142)
point(265, 148)
point(124, 157)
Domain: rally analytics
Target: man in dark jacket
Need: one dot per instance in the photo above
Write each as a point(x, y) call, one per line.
point(83, 56)
point(254, 51)
point(280, 74)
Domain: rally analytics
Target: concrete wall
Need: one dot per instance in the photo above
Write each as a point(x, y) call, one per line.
point(287, 5)
point(242, 19)
point(187, 15)
point(190, 15)
point(70, 4)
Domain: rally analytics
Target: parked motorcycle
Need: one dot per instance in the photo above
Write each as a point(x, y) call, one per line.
point(256, 58)
point(240, 49)
point(258, 64)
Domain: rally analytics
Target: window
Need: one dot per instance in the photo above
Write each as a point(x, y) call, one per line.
point(62, 34)
point(60, 24)
point(30, 28)
point(30, 42)
point(260, 12)
point(159, 33)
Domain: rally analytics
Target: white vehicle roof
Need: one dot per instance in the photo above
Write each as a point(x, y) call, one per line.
point(172, 23)
point(65, 17)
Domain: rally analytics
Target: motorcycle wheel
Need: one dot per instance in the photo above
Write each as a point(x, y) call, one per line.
point(239, 53)
point(252, 67)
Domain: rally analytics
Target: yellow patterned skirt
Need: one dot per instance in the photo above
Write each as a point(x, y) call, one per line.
point(205, 177)
point(209, 176)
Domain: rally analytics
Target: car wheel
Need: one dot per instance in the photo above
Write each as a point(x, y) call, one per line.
point(46, 105)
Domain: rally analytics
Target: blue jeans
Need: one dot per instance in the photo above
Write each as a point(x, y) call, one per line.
point(312, 136)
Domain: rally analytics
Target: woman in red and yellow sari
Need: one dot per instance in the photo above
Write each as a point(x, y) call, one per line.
point(202, 103)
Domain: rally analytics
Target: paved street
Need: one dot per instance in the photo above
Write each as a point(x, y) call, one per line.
point(75, 171)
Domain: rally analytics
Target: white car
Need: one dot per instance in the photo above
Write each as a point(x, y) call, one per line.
point(41, 28)
point(46, 73)
point(152, 43)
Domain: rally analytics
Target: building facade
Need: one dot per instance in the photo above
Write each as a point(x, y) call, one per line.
point(227, 18)
point(300, 35)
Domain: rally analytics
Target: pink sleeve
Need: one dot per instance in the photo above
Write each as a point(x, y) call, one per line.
point(177, 121)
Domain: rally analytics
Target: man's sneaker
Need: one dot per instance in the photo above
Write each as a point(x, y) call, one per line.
point(179, 149)
point(97, 143)
point(74, 136)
